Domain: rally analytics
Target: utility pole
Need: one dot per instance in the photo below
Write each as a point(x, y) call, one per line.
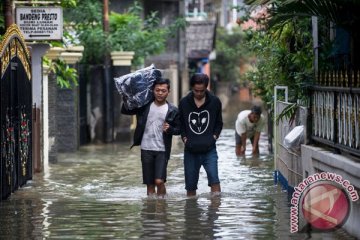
point(7, 10)
point(106, 16)
point(107, 86)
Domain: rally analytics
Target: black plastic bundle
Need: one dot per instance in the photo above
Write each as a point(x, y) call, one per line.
point(136, 87)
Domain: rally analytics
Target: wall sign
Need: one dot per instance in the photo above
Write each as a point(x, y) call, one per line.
point(40, 23)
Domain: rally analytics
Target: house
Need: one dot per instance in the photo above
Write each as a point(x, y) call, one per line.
point(331, 146)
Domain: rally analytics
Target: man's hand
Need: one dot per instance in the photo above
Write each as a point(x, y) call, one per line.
point(166, 126)
point(239, 150)
point(255, 152)
point(255, 149)
point(242, 150)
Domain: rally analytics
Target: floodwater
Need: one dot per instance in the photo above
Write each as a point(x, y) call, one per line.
point(97, 193)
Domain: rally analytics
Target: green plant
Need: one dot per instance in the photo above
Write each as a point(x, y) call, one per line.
point(288, 113)
point(343, 13)
point(66, 77)
point(284, 45)
point(282, 58)
point(83, 25)
point(284, 55)
point(128, 32)
point(230, 54)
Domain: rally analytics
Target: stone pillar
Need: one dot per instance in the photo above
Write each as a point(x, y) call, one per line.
point(172, 74)
point(45, 120)
point(49, 115)
point(67, 108)
point(121, 66)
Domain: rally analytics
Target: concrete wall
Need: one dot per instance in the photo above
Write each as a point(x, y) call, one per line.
point(52, 131)
point(122, 122)
point(298, 163)
point(96, 104)
point(288, 161)
point(316, 159)
point(172, 74)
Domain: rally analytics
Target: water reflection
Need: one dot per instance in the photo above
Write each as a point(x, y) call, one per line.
point(200, 218)
point(154, 219)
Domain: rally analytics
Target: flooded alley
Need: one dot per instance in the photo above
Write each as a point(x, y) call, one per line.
point(97, 194)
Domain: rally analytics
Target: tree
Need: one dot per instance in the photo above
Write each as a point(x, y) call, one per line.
point(128, 32)
point(283, 57)
point(230, 54)
point(342, 14)
point(284, 45)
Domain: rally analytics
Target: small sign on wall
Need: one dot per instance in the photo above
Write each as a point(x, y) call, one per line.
point(40, 23)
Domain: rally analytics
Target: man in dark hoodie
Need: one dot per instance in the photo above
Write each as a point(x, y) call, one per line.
point(201, 125)
point(157, 121)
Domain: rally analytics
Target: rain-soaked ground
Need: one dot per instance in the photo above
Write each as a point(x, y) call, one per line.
point(97, 193)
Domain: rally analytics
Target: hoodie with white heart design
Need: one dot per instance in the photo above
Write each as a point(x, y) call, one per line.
point(200, 126)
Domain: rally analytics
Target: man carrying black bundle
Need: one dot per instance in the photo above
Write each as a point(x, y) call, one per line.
point(157, 122)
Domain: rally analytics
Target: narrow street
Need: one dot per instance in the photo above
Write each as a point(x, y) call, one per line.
point(97, 193)
point(66, 171)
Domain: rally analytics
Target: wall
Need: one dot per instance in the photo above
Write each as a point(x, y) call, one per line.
point(63, 119)
point(317, 159)
point(52, 88)
point(288, 161)
point(295, 165)
point(67, 119)
point(172, 74)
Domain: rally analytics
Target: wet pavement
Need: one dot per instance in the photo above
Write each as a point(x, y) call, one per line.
point(97, 193)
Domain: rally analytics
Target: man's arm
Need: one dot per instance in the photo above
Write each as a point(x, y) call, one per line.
point(243, 143)
point(258, 129)
point(173, 127)
point(219, 122)
point(255, 149)
point(182, 123)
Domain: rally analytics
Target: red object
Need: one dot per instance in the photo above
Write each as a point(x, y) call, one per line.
point(325, 206)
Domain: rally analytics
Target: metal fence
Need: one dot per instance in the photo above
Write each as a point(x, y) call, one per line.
point(336, 111)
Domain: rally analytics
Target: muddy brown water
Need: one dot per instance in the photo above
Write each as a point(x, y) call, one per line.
point(96, 193)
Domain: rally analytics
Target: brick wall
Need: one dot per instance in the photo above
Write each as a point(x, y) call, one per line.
point(67, 120)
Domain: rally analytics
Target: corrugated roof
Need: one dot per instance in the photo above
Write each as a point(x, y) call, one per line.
point(200, 38)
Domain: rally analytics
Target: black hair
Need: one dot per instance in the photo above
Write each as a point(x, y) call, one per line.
point(199, 78)
point(257, 110)
point(162, 81)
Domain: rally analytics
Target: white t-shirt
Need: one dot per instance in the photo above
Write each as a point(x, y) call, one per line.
point(243, 124)
point(153, 134)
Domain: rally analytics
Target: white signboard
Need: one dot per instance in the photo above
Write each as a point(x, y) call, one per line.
point(40, 23)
